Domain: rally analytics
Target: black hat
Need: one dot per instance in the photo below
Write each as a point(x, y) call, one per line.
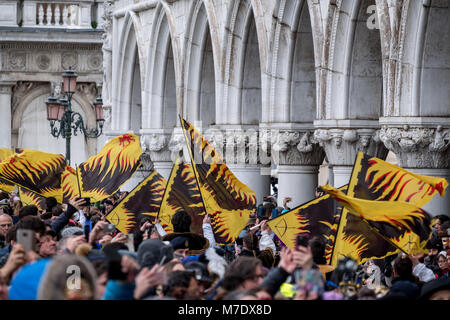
point(434, 286)
point(152, 252)
point(187, 240)
point(199, 270)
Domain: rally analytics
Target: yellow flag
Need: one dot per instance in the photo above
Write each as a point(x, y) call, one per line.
point(70, 187)
point(318, 217)
point(6, 185)
point(227, 200)
point(36, 171)
point(28, 197)
point(145, 199)
point(405, 225)
point(182, 193)
point(103, 174)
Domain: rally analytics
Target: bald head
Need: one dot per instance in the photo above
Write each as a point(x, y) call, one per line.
point(5, 224)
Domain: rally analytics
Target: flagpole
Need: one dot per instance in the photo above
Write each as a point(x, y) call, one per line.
point(78, 181)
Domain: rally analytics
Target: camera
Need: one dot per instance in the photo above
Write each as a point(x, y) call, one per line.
point(301, 241)
point(109, 228)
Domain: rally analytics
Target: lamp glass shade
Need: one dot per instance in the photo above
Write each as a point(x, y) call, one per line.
point(69, 81)
point(99, 109)
point(63, 106)
point(52, 108)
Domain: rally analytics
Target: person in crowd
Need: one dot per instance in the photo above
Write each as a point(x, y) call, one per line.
point(443, 264)
point(6, 222)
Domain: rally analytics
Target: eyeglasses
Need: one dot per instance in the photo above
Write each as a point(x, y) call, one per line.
point(6, 225)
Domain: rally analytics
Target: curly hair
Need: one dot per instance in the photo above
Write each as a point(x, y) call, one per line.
point(181, 222)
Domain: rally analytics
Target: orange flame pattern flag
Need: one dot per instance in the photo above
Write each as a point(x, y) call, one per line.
point(6, 185)
point(318, 217)
point(70, 187)
point(145, 199)
point(227, 200)
point(375, 179)
point(28, 197)
point(405, 225)
point(182, 193)
point(103, 174)
point(36, 171)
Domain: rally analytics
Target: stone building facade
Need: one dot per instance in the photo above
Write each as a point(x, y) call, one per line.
point(283, 86)
point(39, 40)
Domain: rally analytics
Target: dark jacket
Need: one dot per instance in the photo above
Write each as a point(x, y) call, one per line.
point(63, 219)
point(276, 277)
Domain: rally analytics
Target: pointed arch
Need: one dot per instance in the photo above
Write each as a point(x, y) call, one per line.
point(242, 91)
point(161, 103)
point(201, 65)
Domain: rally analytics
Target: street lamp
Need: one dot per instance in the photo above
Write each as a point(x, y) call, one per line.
point(60, 111)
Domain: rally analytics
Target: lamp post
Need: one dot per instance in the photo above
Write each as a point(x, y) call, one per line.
point(60, 111)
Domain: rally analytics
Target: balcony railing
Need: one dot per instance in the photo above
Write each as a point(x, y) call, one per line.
point(83, 14)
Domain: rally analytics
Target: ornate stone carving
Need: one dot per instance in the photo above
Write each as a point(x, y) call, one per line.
point(418, 147)
point(296, 148)
point(341, 145)
point(43, 61)
point(69, 59)
point(108, 7)
point(95, 61)
point(157, 142)
point(17, 60)
point(20, 90)
point(88, 89)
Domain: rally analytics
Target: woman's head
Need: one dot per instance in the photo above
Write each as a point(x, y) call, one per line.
point(442, 260)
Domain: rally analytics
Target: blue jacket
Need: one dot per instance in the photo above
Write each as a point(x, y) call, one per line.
point(25, 284)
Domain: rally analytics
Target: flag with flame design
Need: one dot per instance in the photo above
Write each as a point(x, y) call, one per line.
point(28, 197)
point(103, 174)
point(6, 185)
point(318, 217)
point(70, 186)
point(182, 193)
point(227, 200)
point(375, 179)
point(404, 225)
point(36, 171)
point(145, 199)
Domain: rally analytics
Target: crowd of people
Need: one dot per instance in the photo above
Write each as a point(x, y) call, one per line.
point(73, 253)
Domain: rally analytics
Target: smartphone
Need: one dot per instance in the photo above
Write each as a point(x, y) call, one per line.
point(27, 239)
point(109, 228)
point(130, 242)
point(301, 241)
point(86, 233)
point(87, 201)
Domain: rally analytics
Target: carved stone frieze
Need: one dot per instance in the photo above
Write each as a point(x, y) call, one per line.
point(418, 147)
point(342, 145)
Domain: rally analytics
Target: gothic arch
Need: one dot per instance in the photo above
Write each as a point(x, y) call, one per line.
point(161, 99)
point(293, 65)
point(354, 58)
point(243, 76)
point(201, 66)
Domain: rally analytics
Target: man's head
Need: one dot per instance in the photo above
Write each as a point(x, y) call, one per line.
point(243, 273)
point(440, 219)
point(403, 267)
point(5, 224)
point(48, 244)
point(50, 203)
point(182, 285)
point(30, 210)
point(181, 222)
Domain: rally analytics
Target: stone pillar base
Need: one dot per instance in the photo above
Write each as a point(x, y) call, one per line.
point(164, 168)
point(438, 205)
point(252, 177)
point(297, 182)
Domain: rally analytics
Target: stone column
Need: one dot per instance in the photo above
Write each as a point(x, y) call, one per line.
point(298, 157)
point(342, 146)
point(157, 143)
point(5, 112)
point(423, 149)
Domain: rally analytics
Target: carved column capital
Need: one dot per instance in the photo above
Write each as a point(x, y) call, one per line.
point(342, 145)
point(418, 147)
